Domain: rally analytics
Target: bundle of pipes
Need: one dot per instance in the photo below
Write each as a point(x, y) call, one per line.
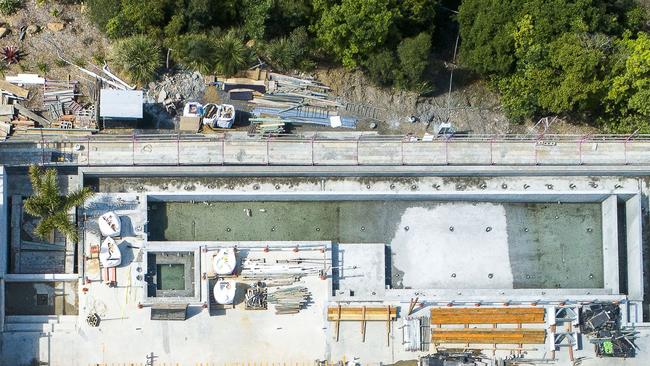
point(289, 300)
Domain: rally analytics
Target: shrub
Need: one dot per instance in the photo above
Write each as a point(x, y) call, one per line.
point(231, 55)
point(288, 53)
point(101, 11)
point(196, 51)
point(139, 57)
point(8, 7)
point(414, 56)
point(381, 67)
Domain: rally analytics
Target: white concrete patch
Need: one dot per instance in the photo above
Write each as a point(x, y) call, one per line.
point(429, 252)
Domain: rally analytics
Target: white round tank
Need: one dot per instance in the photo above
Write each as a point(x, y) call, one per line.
point(224, 292)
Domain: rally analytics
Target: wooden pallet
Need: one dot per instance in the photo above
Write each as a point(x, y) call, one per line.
point(362, 314)
point(487, 316)
point(488, 336)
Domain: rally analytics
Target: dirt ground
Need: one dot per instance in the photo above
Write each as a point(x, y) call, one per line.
point(79, 41)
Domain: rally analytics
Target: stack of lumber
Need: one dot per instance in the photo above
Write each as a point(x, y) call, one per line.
point(488, 336)
point(510, 315)
point(512, 333)
point(289, 300)
point(362, 314)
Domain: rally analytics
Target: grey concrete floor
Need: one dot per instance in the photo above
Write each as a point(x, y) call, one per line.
point(502, 245)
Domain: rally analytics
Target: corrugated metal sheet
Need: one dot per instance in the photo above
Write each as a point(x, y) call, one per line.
point(125, 104)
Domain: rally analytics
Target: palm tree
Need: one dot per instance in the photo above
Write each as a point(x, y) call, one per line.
point(52, 207)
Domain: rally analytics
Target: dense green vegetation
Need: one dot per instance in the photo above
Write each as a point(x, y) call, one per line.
point(585, 60)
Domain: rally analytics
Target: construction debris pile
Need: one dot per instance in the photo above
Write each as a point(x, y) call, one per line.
point(62, 111)
point(173, 90)
point(602, 324)
point(290, 300)
point(256, 297)
point(280, 100)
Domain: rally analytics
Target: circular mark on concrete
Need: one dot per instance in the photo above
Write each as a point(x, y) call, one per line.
point(363, 228)
point(374, 293)
point(211, 186)
point(277, 186)
point(453, 275)
point(504, 186)
point(488, 229)
point(591, 276)
point(557, 217)
point(490, 275)
point(414, 187)
point(317, 229)
point(273, 228)
point(228, 229)
point(256, 187)
point(526, 229)
point(483, 186)
point(526, 186)
point(231, 187)
point(451, 228)
point(368, 186)
point(549, 186)
point(527, 277)
point(406, 228)
point(572, 186)
point(589, 229)
point(392, 186)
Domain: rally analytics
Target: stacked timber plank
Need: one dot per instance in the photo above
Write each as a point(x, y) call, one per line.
point(506, 325)
point(487, 315)
point(488, 336)
point(289, 300)
point(362, 314)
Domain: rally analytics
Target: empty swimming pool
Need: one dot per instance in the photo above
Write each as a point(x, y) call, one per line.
point(515, 245)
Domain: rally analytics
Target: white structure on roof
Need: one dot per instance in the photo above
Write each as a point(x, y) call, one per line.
point(120, 104)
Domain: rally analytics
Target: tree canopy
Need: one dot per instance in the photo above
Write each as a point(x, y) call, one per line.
point(551, 56)
point(51, 206)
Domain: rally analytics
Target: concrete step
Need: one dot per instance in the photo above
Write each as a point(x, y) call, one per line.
point(28, 327)
point(30, 318)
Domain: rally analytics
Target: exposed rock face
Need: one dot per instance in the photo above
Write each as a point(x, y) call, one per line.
point(3, 31)
point(55, 27)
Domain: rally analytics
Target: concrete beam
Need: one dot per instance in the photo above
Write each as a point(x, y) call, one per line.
point(634, 244)
point(346, 171)
point(610, 243)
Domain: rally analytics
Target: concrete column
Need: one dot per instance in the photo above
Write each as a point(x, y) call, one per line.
point(3, 221)
point(610, 244)
point(3, 243)
point(633, 224)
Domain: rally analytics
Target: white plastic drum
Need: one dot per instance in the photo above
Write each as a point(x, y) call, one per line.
point(109, 253)
point(224, 292)
point(225, 261)
point(109, 224)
